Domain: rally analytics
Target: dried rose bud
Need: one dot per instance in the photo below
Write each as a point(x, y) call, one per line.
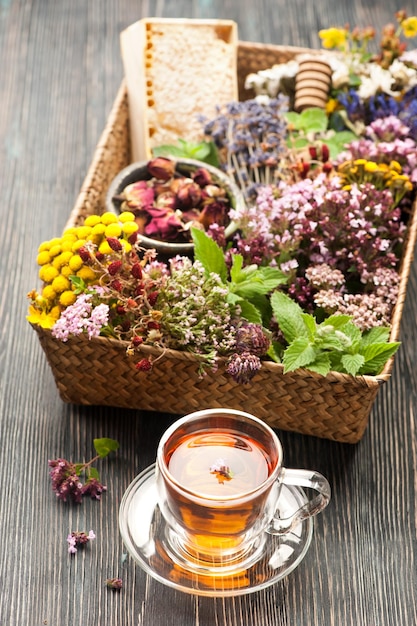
point(214, 191)
point(144, 365)
point(114, 244)
point(189, 195)
point(114, 267)
point(202, 177)
point(313, 152)
point(161, 168)
point(152, 325)
point(120, 309)
point(99, 256)
point(137, 341)
point(138, 195)
point(214, 213)
point(166, 200)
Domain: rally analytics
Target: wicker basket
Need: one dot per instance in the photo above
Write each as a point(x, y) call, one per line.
point(98, 371)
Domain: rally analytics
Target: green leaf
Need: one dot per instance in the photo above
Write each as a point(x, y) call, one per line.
point(93, 473)
point(310, 324)
point(170, 151)
point(352, 363)
point(209, 253)
point(104, 446)
point(236, 269)
point(298, 354)
point(321, 365)
point(376, 355)
point(314, 120)
point(79, 284)
point(249, 311)
point(378, 334)
point(289, 316)
point(79, 467)
point(337, 320)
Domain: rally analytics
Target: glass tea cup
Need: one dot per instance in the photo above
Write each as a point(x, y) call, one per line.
point(219, 475)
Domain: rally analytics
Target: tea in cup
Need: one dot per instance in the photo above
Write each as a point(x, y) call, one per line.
point(219, 474)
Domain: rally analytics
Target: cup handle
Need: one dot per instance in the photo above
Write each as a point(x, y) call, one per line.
point(302, 478)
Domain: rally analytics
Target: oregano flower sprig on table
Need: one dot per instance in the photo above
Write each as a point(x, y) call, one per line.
point(66, 476)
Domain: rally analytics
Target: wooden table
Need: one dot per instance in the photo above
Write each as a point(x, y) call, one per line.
point(60, 70)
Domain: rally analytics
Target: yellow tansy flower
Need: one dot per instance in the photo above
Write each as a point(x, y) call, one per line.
point(92, 220)
point(83, 232)
point(104, 248)
point(78, 244)
point(60, 284)
point(126, 216)
point(113, 230)
point(108, 218)
point(129, 228)
point(43, 257)
point(47, 273)
point(55, 249)
point(44, 246)
point(75, 262)
point(66, 271)
point(67, 298)
point(87, 274)
point(49, 293)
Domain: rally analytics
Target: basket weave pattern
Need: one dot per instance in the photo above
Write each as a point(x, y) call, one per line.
point(99, 372)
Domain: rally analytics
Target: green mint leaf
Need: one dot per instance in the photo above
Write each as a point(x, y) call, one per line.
point(169, 151)
point(310, 324)
point(79, 468)
point(337, 320)
point(289, 316)
point(376, 355)
point(314, 120)
point(352, 331)
point(274, 352)
point(321, 365)
point(378, 334)
point(92, 473)
point(300, 353)
point(249, 311)
point(79, 284)
point(236, 274)
point(352, 363)
point(209, 253)
point(104, 446)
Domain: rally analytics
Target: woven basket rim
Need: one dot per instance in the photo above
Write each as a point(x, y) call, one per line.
point(158, 352)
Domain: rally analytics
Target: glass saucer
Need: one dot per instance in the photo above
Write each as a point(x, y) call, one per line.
point(144, 534)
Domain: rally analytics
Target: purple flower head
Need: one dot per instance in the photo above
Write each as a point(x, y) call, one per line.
point(65, 482)
point(243, 367)
point(93, 488)
point(250, 337)
point(78, 539)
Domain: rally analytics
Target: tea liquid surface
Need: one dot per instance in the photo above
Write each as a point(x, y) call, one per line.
point(219, 464)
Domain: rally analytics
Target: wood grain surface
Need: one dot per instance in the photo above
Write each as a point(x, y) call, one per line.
point(59, 73)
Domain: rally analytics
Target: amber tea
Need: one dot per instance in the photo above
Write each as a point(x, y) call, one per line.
point(218, 482)
point(219, 464)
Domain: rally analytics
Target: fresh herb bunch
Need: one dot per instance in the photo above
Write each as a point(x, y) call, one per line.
point(66, 476)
